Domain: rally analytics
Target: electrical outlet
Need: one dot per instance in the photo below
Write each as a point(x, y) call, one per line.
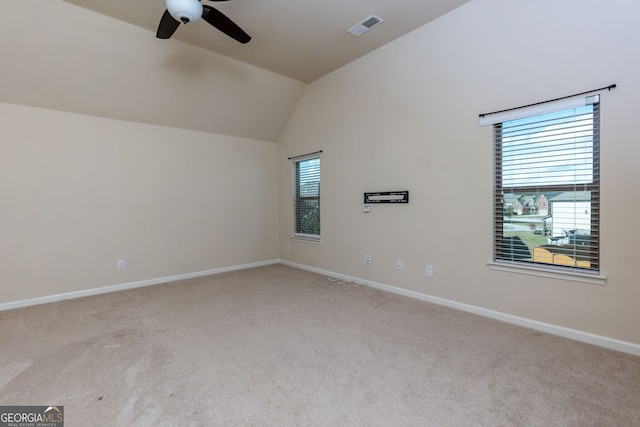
point(429, 271)
point(367, 259)
point(120, 264)
point(399, 265)
point(288, 246)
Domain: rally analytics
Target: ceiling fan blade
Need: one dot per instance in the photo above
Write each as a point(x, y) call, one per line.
point(224, 24)
point(167, 26)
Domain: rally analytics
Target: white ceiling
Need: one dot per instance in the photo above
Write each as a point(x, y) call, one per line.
point(301, 39)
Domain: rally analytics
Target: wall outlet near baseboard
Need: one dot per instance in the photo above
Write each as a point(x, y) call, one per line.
point(367, 259)
point(429, 271)
point(120, 264)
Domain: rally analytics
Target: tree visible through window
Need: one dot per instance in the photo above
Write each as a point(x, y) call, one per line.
point(547, 188)
point(306, 197)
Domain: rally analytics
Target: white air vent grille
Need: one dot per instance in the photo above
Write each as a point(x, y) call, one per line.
point(365, 25)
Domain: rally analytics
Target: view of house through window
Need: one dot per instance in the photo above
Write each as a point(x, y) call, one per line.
point(306, 195)
point(547, 188)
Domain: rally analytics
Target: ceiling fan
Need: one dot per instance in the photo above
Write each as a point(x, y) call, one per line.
point(186, 11)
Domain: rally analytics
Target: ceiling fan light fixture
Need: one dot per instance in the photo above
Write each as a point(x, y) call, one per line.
point(185, 10)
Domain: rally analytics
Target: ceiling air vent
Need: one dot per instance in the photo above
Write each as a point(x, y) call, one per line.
point(365, 25)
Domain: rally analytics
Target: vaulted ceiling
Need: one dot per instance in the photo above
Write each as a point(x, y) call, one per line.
point(301, 39)
point(74, 56)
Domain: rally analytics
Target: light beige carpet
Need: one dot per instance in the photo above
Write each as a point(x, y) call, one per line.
point(278, 346)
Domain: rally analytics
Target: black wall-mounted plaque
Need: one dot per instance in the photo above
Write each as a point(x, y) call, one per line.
point(387, 197)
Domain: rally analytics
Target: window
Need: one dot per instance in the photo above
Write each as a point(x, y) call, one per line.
point(547, 192)
point(306, 196)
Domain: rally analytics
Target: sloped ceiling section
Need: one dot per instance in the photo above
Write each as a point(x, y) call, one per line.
point(302, 39)
point(68, 58)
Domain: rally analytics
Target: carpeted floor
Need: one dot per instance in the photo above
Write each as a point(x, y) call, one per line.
point(278, 346)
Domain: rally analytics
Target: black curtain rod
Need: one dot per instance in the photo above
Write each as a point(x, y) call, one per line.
point(305, 155)
point(551, 100)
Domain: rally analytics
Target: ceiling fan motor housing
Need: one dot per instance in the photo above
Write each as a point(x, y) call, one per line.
point(185, 10)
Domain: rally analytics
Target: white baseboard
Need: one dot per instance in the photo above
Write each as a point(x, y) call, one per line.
point(126, 286)
point(599, 340)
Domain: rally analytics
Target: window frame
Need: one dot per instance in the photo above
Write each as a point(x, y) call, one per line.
point(298, 199)
point(502, 263)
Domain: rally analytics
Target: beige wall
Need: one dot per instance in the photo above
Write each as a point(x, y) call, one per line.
point(406, 118)
point(80, 192)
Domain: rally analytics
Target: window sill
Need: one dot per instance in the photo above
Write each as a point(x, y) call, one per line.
point(317, 241)
point(594, 279)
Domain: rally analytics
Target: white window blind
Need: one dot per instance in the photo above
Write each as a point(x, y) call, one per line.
point(547, 192)
point(306, 196)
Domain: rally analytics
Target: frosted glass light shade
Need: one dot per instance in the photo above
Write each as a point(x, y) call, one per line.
point(185, 10)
